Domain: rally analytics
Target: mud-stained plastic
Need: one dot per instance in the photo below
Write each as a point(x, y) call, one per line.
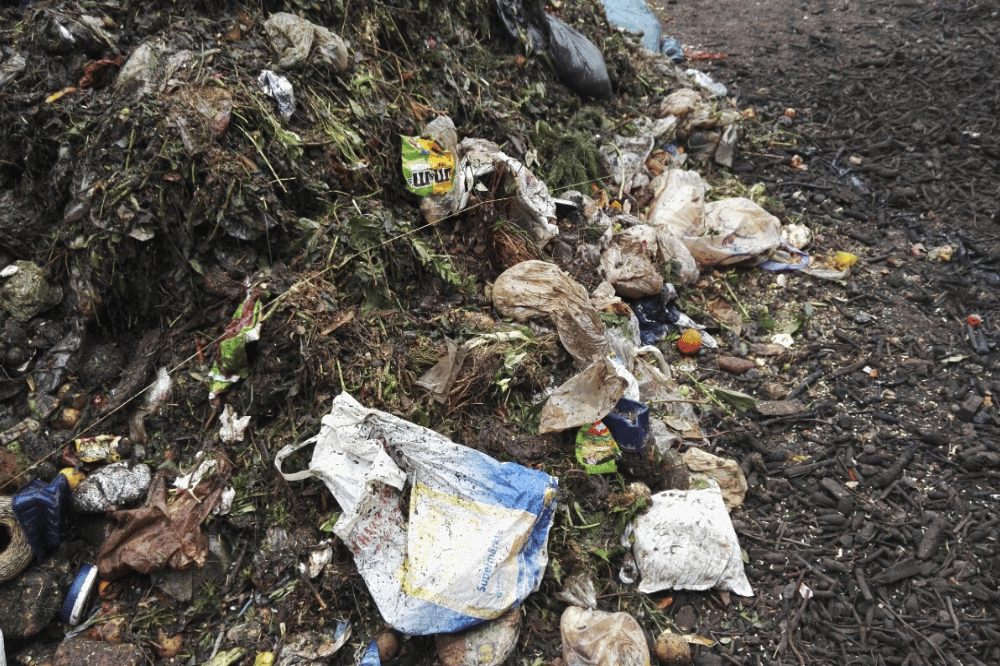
point(686, 541)
point(471, 545)
point(635, 16)
point(597, 638)
point(539, 290)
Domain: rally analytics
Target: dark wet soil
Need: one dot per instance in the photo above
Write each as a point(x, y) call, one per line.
point(888, 512)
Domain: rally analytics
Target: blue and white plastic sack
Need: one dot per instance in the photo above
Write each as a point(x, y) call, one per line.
point(473, 543)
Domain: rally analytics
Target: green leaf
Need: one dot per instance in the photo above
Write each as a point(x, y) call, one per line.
point(736, 399)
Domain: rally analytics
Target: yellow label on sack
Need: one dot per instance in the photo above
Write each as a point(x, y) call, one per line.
point(461, 554)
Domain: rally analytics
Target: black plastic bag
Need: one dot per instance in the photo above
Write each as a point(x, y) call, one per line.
point(577, 60)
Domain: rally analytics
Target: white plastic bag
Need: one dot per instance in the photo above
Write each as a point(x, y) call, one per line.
point(686, 541)
point(718, 233)
point(473, 543)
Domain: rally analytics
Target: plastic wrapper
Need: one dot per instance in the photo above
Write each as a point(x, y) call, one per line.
point(596, 449)
point(428, 169)
point(598, 638)
point(473, 543)
point(280, 88)
point(686, 541)
point(299, 42)
point(232, 363)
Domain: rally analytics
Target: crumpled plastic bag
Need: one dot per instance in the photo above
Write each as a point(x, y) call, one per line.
point(718, 233)
point(686, 541)
point(598, 638)
point(626, 156)
point(299, 42)
point(474, 541)
point(539, 290)
point(166, 533)
point(632, 260)
point(578, 61)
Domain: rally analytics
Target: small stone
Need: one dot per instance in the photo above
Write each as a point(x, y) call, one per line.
point(736, 366)
point(42, 405)
point(387, 643)
point(487, 644)
point(97, 653)
point(779, 407)
point(27, 292)
point(969, 406)
point(66, 419)
point(686, 618)
point(29, 602)
point(672, 649)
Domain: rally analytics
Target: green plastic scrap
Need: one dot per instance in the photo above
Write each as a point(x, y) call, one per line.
point(231, 365)
point(596, 449)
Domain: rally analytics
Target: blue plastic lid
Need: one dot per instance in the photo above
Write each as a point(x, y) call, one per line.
point(79, 593)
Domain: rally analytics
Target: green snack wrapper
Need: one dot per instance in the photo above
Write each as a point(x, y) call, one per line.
point(427, 168)
point(596, 449)
point(232, 364)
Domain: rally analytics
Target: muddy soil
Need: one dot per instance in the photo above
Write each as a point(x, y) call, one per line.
point(870, 526)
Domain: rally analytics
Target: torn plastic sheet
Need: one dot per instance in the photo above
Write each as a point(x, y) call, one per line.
point(300, 42)
point(686, 541)
point(232, 363)
point(584, 398)
point(280, 89)
point(474, 541)
point(167, 532)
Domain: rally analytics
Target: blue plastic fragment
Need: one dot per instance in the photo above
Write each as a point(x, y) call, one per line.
point(673, 50)
point(657, 315)
point(370, 657)
point(628, 434)
point(79, 593)
point(43, 509)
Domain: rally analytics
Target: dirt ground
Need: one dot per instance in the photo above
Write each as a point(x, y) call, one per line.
point(869, 529)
